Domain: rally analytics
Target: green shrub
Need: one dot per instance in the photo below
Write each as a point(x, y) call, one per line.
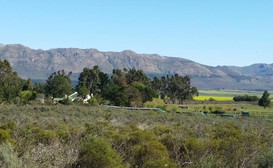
point(100, 99)
point(227, 131)
point(27, 95)
point(93, 101)
point(9, 126)
point(5, 132)
point(147, 151)
point(63, 132)
point(205, 109)
point(265, 160)
point(65, 101)
point(46, 136)
point(5, 136)
point(172, 108)
point(16, 100)
point(155, 103)
point(9, 158)
point(194, 148)
point(98, 153)
point(35, 134)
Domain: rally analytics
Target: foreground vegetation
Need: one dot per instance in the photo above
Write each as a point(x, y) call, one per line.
point(88, 136)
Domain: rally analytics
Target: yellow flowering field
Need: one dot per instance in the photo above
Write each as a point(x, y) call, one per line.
point(217, 98)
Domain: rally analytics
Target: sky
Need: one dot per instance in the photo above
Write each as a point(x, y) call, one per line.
point(210, 32)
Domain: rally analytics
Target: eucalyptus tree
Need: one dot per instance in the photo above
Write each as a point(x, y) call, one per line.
point(10, 83)
point(58, 84)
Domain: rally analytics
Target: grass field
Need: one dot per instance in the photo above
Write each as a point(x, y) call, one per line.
point(230, 107)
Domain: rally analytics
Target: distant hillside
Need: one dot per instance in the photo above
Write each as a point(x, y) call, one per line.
point(39, 64)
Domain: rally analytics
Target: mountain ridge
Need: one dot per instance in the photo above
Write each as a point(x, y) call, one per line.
point(39, 64)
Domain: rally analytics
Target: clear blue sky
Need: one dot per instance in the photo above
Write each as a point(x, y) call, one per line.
point(211, 32)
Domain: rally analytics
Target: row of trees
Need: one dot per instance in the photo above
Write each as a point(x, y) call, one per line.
point(264, 101)
point(176, 87)
point(132, 87)
point(124, 87)
point(247, 98)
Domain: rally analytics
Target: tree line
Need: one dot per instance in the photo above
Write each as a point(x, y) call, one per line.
point(127, 87)
point(247, 98)
point(264, 101)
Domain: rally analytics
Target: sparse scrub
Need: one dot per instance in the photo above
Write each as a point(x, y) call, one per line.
point(9, 157)
point(78, 135)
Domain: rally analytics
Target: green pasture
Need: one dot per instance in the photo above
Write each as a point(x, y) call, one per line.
point(229, 107)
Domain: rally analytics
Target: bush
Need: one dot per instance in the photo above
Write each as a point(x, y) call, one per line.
point(46, 136)
point(8, 158)
point(63, 132)
point(93, 101)
point(147, 151)
point(65, 101)
point(100, 99)
point(151, 154)
point(155, 103)
point(265, 160)
point(38, 135)
point(98, 153)
point(5, 136)
point(211, 99)
point(9, 126)
point(27, 95)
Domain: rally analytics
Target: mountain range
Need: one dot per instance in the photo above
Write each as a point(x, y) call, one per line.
point(38, 64)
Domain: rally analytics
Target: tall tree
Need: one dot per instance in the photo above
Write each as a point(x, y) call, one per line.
point(119, 77)
point(157, 86)
point(104, 82)
point(90, 81)
point(176, 87)
point(10, 83)
point(59, 84)
point(264, 100)
point(115, 91)
point(129, 88)
point(28, 85)
point(180, 88)
point(133, 75)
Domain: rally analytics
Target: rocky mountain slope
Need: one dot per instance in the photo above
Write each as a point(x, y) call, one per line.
point(39, 64)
